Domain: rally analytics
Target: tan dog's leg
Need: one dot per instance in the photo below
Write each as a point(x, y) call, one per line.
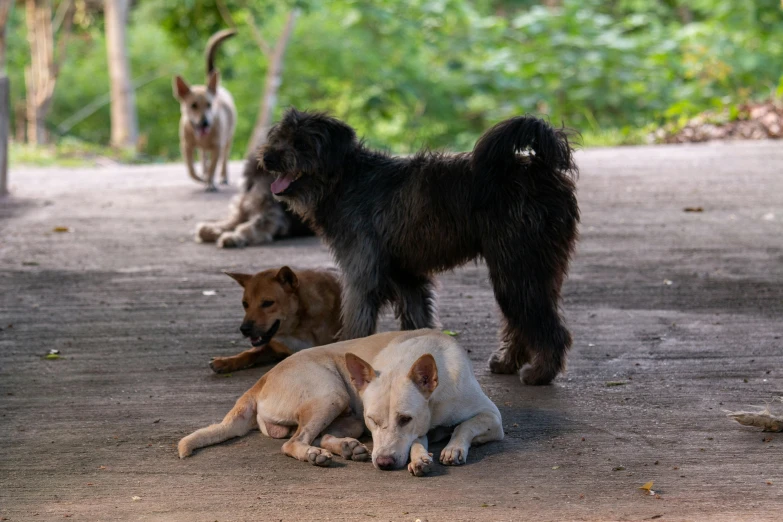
point(204, 159)
point(268, 354)
point(340, 437)
point(187, 154)
point(225, 153)
point(314, 417)
point(484, 427)
point(421, 459)
point(209, 176)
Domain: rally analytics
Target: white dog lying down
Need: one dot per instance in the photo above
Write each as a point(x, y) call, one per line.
point(422, 380)
point(424, 385)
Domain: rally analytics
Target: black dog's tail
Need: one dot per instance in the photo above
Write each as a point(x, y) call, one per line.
point(213, 44)
point(496, 151)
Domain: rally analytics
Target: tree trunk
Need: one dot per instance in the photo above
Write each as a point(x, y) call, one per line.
point(274, 77)
point(5, 99)
point(124, 124)
point(5, 120)
point(41, 75)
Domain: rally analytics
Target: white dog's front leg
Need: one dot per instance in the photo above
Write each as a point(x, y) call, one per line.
point(484, 427)
point(421, 459)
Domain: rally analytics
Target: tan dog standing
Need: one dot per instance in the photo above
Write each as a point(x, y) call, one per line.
point(208, 120)
point(285, 311)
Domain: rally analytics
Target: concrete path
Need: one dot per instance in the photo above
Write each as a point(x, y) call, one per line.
point(677, 316)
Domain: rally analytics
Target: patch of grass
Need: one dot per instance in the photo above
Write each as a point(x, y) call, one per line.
point(615, 137)
point(70, 152)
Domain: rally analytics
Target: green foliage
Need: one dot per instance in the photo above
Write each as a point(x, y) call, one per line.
point(438, 72)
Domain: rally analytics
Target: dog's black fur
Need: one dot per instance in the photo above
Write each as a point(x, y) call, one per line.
point(393, 222)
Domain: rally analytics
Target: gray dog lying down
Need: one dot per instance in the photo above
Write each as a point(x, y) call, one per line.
point(403, 384)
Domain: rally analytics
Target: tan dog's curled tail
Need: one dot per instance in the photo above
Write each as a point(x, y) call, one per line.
point(239, 421)
point(213, 44)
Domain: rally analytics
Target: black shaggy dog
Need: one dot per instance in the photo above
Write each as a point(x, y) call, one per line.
point(393, 222)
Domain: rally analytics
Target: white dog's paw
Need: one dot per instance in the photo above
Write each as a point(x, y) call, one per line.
point(230, 240)
point(453, 456)
point(211, 187)
point(421, 465)
point(319, 456)
point(352, 449)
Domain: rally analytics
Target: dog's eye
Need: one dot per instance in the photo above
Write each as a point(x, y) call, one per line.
point(245, 305)
point(194, 105)
point(267, 304)
point(402, 420)
point(209, 105)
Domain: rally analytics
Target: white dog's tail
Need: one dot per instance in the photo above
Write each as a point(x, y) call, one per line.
point(240, 420)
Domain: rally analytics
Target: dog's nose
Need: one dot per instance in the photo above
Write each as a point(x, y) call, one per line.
point(268, 161)
point(246, 328)
point(385, 462)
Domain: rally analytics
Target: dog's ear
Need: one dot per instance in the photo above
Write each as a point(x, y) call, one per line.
point(360, 371)
point(242, 279)
point(287, 277)
point(212, 83)
point(181, 88)
point(424, 374)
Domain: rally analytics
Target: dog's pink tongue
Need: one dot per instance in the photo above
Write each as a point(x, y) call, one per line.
point(280, 184)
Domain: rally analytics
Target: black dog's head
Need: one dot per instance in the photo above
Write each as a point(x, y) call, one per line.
point(306, 152)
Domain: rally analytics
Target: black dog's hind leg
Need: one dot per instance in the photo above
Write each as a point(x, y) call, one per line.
point(527, 288)
point(416, 302)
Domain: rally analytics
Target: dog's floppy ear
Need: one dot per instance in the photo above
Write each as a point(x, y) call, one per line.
point(424, 374)
point(242, 279)
point(287, 277)
point(212, 83)
point(360, 370)
point(181, 88)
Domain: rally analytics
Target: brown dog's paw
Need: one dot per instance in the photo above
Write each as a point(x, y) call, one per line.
point(501, 361)
point(223, 365)
point(352, 449)
point(230, 240)
point(319, 456)
point(421, 465)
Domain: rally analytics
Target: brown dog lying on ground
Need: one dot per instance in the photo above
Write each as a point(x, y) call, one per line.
point(285, 312)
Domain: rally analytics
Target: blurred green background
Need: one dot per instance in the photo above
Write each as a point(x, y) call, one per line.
point(431, 73)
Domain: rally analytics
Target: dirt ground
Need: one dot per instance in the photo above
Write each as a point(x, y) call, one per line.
point(676, 317)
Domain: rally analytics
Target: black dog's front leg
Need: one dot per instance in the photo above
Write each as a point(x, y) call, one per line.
point(416, 301)
point(360, 308)
point(363, 277)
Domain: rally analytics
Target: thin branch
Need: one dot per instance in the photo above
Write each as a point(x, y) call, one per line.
point(5, 11)
point(257, 35)
point(62, 43)
point(225, 14)
point(59, 16)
